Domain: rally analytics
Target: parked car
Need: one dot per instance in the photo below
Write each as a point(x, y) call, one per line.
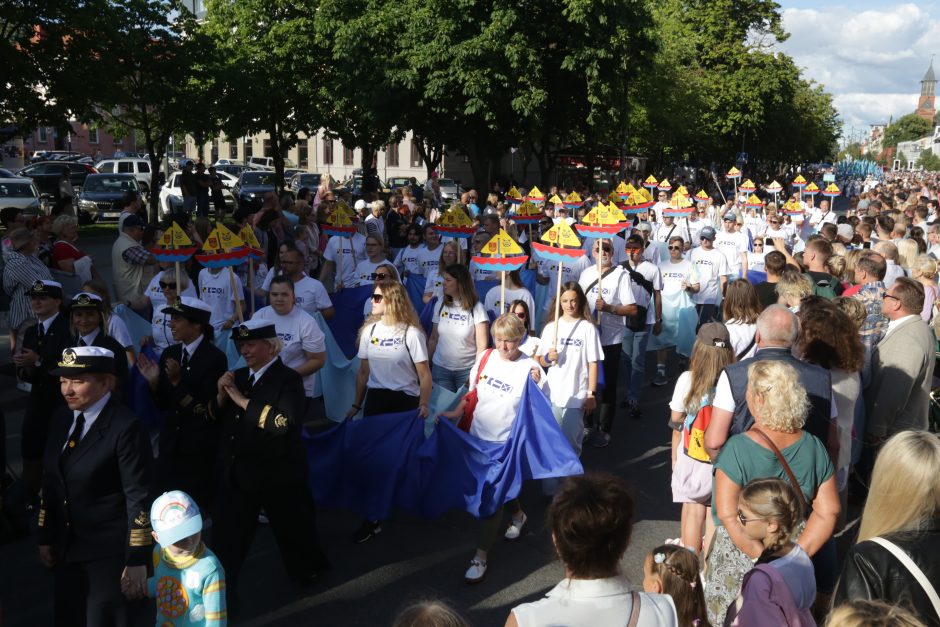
point(46, 175)
point(450, 189)
point(399, 181)
point(227, 162)
point(7, 174)
point(21, 193)
point(171, 196)
point(228, 180)
point(304, 179)
point(52, 155)
point(252, 186)
point(232, 169)
point(140, 168)
point(353, 184)
point(101, 192)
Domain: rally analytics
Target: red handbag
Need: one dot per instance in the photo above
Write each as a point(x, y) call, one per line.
point(470, 398)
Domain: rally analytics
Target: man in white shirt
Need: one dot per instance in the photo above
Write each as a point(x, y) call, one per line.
point(890, 252)
point(216, 289)
point(647, 285)
point(732, 243)
point(340, 259)
point(712, 268)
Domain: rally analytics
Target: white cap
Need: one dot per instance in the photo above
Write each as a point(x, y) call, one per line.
point(189, 301)
point(360, 204)
point(174, 517)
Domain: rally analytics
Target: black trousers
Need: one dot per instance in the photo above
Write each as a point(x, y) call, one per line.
point(381, 401)
point(292, 517)
point(88, 594)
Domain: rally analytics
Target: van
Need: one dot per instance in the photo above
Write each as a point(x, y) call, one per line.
point(140, 168)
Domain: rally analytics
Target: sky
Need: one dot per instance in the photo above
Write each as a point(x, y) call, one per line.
point(869, 55)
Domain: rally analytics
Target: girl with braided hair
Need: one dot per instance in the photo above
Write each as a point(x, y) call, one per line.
point(783, 582)
point(673, 570)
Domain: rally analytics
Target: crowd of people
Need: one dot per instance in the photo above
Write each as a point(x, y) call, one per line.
point(803, 344)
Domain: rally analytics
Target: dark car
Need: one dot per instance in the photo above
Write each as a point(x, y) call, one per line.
point(102, 195)
point(304, 179)
point(399, 181)
point(46, 174)
point(251, 187)
point(353, 185)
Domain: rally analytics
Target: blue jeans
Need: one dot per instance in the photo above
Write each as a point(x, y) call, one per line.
point(449, 379)
point(634, 348)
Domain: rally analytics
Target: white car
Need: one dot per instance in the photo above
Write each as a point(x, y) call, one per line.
point(140, 168)
point(171, 196)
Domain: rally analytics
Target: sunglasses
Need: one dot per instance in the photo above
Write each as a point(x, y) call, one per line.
point(674, 247)
point(522, 315)
point(744, 520)
point(377, 298)
point(378, 276)
point(605, 249)
point(167, 286)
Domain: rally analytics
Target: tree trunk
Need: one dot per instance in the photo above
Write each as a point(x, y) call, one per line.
point(431, 154)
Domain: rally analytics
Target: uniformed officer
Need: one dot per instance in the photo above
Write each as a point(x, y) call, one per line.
point(183, 383)
point(86, 313)
point(94, 529)
point(42, 348)
point(262, 460)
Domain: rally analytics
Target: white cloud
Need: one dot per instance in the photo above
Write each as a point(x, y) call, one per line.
point(870, 59)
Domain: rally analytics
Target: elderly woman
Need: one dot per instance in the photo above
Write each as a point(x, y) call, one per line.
point(590, 521)
point(903, 509)
point(94, 529)
point(66, 256)
point(20, 273)
point(924, 271)
point(776, 446)
point(494, 416)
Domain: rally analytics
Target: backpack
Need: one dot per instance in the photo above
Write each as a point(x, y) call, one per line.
point(637, 322)
point(824, 287)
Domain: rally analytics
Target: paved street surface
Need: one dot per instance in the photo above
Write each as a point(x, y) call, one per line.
point(411, 559)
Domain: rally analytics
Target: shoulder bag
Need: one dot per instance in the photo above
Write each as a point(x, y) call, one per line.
point(471, 397)
point(915, 571)
point(786, 468)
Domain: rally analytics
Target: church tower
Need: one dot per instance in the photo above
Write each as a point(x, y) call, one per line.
point(925, 105)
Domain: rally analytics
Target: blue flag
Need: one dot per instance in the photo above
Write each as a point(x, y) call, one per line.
point(141, 400)
point(349, 304)
point(414, 285)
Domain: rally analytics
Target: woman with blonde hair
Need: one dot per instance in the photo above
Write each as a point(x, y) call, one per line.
point(393, 369)
point(740, 309)
point(775, 446)
point(433, 283)
point(899, 532)
point(907, 253)
point(924, 271)
point(859, 613)
point(792, 288)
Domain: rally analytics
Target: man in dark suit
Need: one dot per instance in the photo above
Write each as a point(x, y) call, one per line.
point(94, 527)
point(262, 460)
point(42, 348)
point(183, 384)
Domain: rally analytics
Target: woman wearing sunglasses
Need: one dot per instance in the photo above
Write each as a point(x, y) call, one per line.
point(530, 341)
point(161, 335)
point(515, 290)
point(393, 369)
point(375, 257)
point(460, 330)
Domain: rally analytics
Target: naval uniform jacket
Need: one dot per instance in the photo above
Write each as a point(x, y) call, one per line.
point(188, 431)
point(261, 445)
point(45, 393)
point(96, 503)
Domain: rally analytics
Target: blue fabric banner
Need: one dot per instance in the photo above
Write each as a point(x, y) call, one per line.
point(426, 316)
point(337, 378)
point(223, 341)
point(679, 321)
point(756, 276)
point(414, 285)
point(136, 326)
point(141, 400)
point(348, 303)
point(381, 463)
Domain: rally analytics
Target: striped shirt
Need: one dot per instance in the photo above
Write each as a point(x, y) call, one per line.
point(19, 274)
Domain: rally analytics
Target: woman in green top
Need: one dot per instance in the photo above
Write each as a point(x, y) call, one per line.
point(779, 405)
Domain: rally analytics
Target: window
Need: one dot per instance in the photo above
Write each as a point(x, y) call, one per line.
point(348, 156)
point(143, 166)
point(327, 151)
point(118, 141)
point(303, 153)
point(233, 150)
point(106, 168)
point(43, 133)
point(125, 167)
point(249, 149)
point(267, 148)
point(391, 155)
point(93, 136)
point(415, 155)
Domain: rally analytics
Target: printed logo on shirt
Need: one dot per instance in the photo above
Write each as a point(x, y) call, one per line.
point(673, 275)
point(453, 315)
point(703, 262)
point(286, 337)
point(496, 384)
point(385, 342)
point(571, 341)
point(213, 290)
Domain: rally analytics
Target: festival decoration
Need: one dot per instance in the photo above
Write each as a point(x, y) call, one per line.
point(536, 196)
point(664, 186)
point(639, 201)
point(623, 191)
point(793, 208)
point(573, 201)
point(502, 254)
point(774, 188)
point(224, 249)
point(747, 187)
point(701, 196)
point(563, 246)
point(811, 190)
point(176, 248)
point(650, 183)
point(513, 197)
point(679, 206)
point(247, 235)
point(556, 200)
point(831, 191)
point(753, 202)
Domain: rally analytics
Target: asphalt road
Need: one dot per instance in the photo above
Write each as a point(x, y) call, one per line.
point(411, 559)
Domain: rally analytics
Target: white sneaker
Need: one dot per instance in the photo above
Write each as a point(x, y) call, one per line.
point(476, 572)
point(514, 530)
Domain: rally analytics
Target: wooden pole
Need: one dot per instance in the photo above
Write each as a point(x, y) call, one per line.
point(557, 305)
point(179, 287)
point(339, 271)
point(251, 285)
point(600, 286)
point(502, 292)
point(238, 310)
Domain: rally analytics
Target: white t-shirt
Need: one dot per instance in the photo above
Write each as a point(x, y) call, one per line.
point(409, 260)
point(742, 336)
point(673, 274)
point(498, 394)
point(683, 383)
point(732, 245)
point(429, 259)
point(665, 232)
point(118, 330)
point(479, 273)
point(571, 271)
point(755, 261)
point(492, 304)
point(579, 344)
point(365, 270)
point(709, 265)
point(311, 296)
point(155, 294)
point(643, 298)
point(215, 290)
point(392, 353)
point(434, 284)
point(299, 333)
point(694, 227)
point(353, 251)
point(456, 335)
point(618, 250)
point(530, 345)
point(616, 291)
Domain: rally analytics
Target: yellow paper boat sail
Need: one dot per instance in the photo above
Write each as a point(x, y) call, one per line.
point(799, 180)
point(535, 192)
point(561, 235)
point(645, 194)
point(774, 187)
point(747, 183)
point(753, 200)
point(602, 215)
point(651, 181)
point(812, 187)
point(502, 244)
point(221, 240)
point(616, 213)
point(573, 197)
point(681, 191)
point(555, 200)
point(701, 196)
point(527, 209)
point(665, 184)
point(832, 188)
point(514, 193)
point(622, 189)
point(680, 201)
point(247, 235)
point(733, 173)
point(338, 218)
point(175, 237)
point(455, 216)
